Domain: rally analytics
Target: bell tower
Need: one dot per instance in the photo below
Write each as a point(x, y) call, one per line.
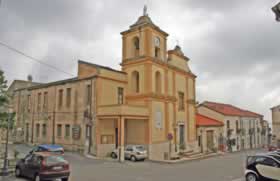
point(144, 39)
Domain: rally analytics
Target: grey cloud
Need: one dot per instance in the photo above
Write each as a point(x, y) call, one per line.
point(227, 41)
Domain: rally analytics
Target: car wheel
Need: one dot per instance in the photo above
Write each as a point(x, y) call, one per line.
point(18, 172)
point(114, 155)
point(64, 179)
point(251, 177)
point(133, 158)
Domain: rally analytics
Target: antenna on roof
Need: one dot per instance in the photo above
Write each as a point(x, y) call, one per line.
point(29, 78)
point(145, 9)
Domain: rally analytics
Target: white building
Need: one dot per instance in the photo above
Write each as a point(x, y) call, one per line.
point(242, 128)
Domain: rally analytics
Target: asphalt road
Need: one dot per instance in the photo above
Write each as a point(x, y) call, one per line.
point(229, 167)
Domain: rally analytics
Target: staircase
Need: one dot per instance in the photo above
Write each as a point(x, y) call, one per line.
point(192, 154)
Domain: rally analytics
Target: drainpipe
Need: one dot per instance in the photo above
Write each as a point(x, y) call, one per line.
point(53, 123)
point(32, 126)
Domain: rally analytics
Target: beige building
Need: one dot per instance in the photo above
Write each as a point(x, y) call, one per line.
point(276, 124)
point(103, 109)
point(13, 91)
point(242, 128)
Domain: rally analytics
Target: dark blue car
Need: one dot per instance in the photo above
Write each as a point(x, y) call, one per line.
point(48, 148)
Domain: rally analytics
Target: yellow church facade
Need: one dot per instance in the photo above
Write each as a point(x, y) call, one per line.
point(150, 102)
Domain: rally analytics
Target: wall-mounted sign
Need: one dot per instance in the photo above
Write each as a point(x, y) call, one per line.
point(76, 132)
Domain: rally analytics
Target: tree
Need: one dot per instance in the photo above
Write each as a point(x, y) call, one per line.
point(4, 100)
point(3, 91)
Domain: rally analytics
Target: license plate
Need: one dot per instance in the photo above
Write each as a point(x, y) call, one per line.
point(57, 168)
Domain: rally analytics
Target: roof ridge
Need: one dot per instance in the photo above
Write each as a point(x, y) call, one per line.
point(100, 66)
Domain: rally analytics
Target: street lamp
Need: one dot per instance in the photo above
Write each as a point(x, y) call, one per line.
point(5, 170)
point(276, 10)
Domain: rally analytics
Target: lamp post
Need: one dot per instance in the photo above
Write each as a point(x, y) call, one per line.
point(5, 171)
point(276, 10)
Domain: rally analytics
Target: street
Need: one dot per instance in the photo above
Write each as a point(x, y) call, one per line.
point(229, 167)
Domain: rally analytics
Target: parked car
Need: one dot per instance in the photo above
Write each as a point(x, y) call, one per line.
point(48, 148)
point(272, 148)
point(262, 167)
point(276, 152)
point(43, 166)
point(132, 152)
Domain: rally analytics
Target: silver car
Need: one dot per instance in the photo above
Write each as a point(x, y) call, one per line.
point(132, 152)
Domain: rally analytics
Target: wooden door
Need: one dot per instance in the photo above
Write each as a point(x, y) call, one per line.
point(210, 140)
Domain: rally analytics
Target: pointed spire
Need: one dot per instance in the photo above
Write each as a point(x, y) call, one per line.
point(145, 10)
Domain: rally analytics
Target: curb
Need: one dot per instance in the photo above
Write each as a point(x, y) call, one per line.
point(186, 159)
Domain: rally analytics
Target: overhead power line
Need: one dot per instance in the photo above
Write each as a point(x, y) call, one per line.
point(34, 59)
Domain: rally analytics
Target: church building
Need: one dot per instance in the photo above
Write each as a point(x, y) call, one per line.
point(151, 101)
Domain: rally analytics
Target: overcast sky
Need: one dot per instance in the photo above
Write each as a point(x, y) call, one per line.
point(233, 45)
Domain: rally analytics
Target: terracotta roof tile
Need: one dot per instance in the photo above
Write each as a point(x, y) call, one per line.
point(202, 120)
point(230, 110)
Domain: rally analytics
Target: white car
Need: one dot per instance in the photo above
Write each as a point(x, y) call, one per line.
point(132, 152)
point(262, 167)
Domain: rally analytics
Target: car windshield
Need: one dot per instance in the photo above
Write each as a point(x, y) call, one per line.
point(250, 160)
point(140, 148)
point(51, 160)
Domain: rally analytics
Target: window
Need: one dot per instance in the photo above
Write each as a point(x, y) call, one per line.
point(59, 127)
point(157, 52)
point(181, 101)
point(45, 103)
point(120, 95)
point(37, 130)
point(67, 130)
point(68, 97)
point(44, 130)
point(199, 140)
point(88, 94)
point(107, 139)
point(228, 124)
point(28, 103)
point(136, 46)
point(60, 98)
point(269, 162)
point(158, 82)
point(135, 81)
point(236, 126)
point(39, 102)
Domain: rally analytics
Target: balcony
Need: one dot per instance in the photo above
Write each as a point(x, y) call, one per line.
point(123, 110)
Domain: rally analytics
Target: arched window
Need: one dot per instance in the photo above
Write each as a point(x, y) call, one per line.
point(158, 82)
point(135, 81)
point(136, 45)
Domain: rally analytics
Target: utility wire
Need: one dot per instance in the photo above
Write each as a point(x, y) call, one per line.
point(32, 58)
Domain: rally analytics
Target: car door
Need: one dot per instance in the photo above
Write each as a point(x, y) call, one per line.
point(269, 168)
point(35, 165)
point(27, 165)
point(128, 152)
point(24, 166)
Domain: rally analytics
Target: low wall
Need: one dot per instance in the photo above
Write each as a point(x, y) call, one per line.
point(158, 151)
